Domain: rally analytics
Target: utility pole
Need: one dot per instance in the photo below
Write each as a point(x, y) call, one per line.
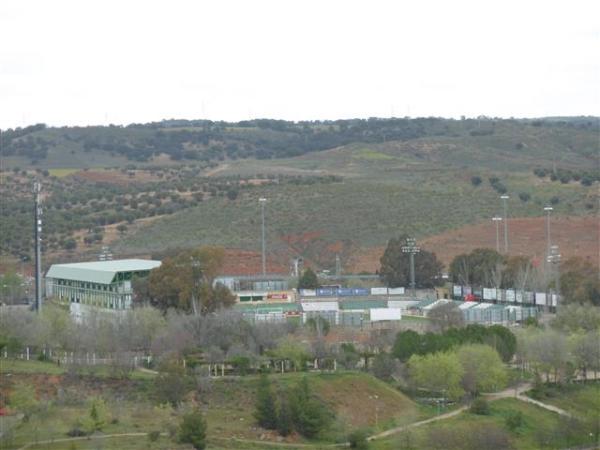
point(338, 265)
point(411, 248)
point(497, 220)
point(262, 202)
point(37, 238)
point(504, 199)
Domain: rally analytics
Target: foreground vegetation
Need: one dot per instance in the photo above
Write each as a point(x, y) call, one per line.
point(206, 368)
point(509, 424)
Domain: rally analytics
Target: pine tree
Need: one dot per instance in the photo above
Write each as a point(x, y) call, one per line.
point(266, 412)
point(284, 416)
point(193, 430)
point(309, 415)
point(308, 280)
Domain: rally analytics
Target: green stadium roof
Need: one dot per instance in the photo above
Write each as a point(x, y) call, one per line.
point(99, 271)
point(362, 304)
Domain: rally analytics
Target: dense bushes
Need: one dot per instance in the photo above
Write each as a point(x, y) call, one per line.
point(585, 177)
point(410, 343)
point(193, 430)
point(297, 409)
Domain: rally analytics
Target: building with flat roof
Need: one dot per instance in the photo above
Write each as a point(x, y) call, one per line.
point(101, 284)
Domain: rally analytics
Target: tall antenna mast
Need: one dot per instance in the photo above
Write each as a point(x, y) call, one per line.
point(37, 237)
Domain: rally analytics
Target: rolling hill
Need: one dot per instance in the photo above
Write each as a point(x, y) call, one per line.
point(341, 187)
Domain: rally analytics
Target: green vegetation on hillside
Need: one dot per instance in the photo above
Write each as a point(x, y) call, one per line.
point(358, 182)
point(538, 428)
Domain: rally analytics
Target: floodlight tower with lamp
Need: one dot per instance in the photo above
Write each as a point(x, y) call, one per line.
point(37, 237)
point(262, 202)
point(497, 219)
point(554, 259)
point(548, 210)
point(411, 248)
point(504, 198)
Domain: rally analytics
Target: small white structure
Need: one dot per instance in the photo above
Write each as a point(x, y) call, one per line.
point(385, 314)
point(396, 291)
point(467, 305)
point(327, 310)
point(402, 304)
point(435, 304)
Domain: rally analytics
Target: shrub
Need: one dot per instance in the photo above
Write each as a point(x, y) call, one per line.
point(154, 435)
point(383, 366)
point(514, 420)
point(587, 181)
point(193, 430)
point(524, 196)
point(476, 181)
point(358, 439)
point(98, 416)
point(171, 386)
point(480, 406)
point(77, 430)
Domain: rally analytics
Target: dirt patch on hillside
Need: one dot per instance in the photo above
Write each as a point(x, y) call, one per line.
point(246, 262)
point(575, 236)
point(361, 402)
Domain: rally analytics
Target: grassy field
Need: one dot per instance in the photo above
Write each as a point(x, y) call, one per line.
point(581, 400)
point(62, 172)
point(358, 399)
point(18, 366)
point(539, 429)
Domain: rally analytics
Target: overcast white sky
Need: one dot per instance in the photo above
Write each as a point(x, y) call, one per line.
point(98, 62)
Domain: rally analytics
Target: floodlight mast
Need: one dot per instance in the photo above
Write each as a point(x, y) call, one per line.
point(37, 238)
point(548, 210)
point(504, 199)
point(554, 259)
point(262, 202)
point(411, 248)
point(497, 220)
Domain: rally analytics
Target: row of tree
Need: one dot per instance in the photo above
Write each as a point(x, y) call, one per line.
point(485, 267)
point(471, 369)
point(186, 282)
point(500, 338)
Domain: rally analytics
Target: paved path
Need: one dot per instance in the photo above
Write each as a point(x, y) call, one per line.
point(392, 431)
point(105, 436)
point(552, 408)
point(506, 393)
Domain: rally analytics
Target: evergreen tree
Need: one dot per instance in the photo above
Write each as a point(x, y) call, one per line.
point(309, 415)
point(284, 416)
point(266, 412)
point(193, 430)
point(395, 266)
point(308, 280)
